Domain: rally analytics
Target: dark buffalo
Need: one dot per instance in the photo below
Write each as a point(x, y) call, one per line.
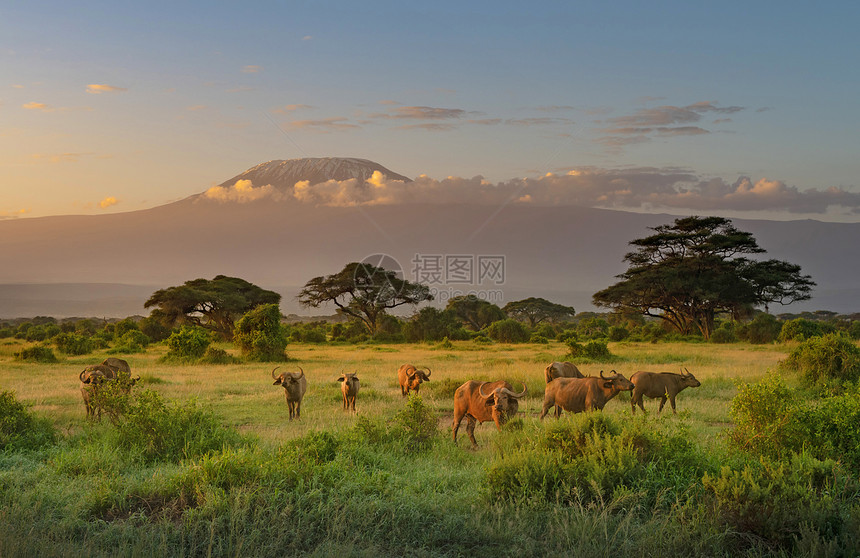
point(576, 395)
point(482, 402)
point(660, 384)
point(349, 388)
point(561, 370)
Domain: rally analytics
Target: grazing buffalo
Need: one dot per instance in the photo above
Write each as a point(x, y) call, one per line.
point(295, 385)
point(660, 384)
point(561, 370)
point(410, 378)
point(349, 388)
point(483, 402)
point(576, 395)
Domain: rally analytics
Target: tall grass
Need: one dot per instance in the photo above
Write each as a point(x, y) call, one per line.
point(234, 477)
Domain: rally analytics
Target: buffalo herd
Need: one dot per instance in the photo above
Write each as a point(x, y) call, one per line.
point(478, 402)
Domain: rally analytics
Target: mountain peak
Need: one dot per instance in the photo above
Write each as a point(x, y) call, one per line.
point(283, 174)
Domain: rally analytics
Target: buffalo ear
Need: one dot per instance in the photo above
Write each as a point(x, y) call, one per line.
point(355, 378)
point(277, 382)
point(489, 401)
point(607, 384)
point(340, 379)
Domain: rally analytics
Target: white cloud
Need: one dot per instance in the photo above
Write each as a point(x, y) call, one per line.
point(107, 202)
point(242, 191)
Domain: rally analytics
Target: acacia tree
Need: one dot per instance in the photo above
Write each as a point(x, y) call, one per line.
point(363, 291)
point(536, 310)
point(688, 272)
point(474, 312)
point(212, 304)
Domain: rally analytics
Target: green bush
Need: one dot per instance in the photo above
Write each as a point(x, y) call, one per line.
point(37, 353)
point(132, 341)
point(593, 350)
point(799, 329)
point(764, 328)
point(536, 338)
point(187, 344)
point(828, 360)
point(20, 429)
point(508, 331)
point(723, 335)
point(416, 424)
point(167, 431)
point(779, 501)
point(618, 333)
point(73, 344)
point(214, 355)
point(260, 335)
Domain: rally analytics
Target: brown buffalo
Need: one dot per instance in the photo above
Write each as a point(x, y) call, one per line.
point(92, 377)
point(660, 384)
point(410, 378)
point(349, 388)
point(576, 395)
point(481, 402)
point(561, 370)
point(295, 385)
point(122, 371)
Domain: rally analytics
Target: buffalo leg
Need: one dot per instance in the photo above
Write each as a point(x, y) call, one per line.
point(455, 427)
point(470, 429)
point(545, 410)
point(672, 402)
point(662, 402)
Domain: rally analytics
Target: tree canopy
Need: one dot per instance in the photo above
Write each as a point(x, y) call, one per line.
point(212, 304)
point(688, 272)
point(363, 291)
point(474, 312)
point(536, 310)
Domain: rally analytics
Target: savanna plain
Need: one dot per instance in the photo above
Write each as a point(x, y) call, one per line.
point(209, 464)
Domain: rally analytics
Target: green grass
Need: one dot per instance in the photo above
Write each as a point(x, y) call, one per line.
point(336, 482)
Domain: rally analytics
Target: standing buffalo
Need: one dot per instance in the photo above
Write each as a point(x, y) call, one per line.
point(349, 388)
point(561, 370)
point(576, 395)
point(92, 377)
point(662, 385)
point(410, 378)
point(118, 365)
point(483, 402)
point(295, 385)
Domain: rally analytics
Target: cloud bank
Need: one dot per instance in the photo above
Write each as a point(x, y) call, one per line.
point(242, 191)
point(640, 188)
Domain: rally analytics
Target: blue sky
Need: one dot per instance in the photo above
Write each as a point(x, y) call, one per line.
point(106, 107)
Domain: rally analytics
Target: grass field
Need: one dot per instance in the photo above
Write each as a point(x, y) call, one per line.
point(332, 483)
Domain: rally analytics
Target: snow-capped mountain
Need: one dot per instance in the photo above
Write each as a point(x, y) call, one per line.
point(283, 174)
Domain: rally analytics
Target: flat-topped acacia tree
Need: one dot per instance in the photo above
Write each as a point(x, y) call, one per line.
point(688, 272)
point(214, 304)
point(363, 291)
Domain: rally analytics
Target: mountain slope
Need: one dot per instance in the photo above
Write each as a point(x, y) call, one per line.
point(564, 254)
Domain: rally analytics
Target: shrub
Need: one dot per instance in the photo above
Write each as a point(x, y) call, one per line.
point(73, 344)
point(508, 331)
point(214, 355)
point(594, 350)
point(618, 333)
point(827, 360)
point(723, 335)
point(592, 328)
point(132, 341)
point(20, 429)
point(416, 424)
point(799, 329)
point(260, 335)
point(154, 328)
point(37, 353)
point(779, 501)
point(187, 344)
point(536, 338)
point(124, 326)
point(159, 430)
point(764, 328)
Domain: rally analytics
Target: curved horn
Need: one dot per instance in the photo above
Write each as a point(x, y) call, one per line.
point(687, 371)
point(428, 371)
point(481, 389)
point(81, 375)
point(273, 372)
point(302, 372)
point(602, 376)
point(517, 395)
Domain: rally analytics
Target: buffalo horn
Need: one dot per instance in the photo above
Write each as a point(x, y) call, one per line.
point(273, 372)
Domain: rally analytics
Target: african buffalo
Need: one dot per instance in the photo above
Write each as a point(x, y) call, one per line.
point(577, 395)
point(92, 377)
point(349, 388)
point(483, 402)
point(410, 378)
point(118, 365)
point(295, 385)
point(561, 370)
point(660, 384)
